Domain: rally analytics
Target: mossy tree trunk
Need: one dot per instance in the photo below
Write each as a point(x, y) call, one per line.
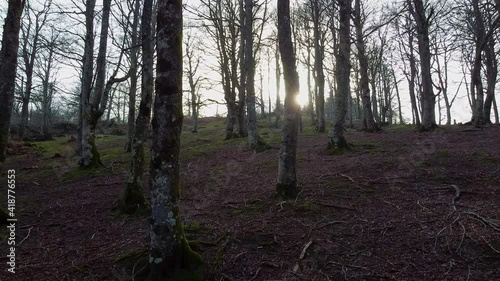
point(133, 199)
point(287, 186)
point(86, 140)
point(337, 139)
point(171, 257)
point(8, 65)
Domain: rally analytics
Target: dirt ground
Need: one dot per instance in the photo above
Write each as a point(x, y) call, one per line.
point(401, 205)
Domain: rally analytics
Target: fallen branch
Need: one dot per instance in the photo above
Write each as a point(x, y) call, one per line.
point(456, 197)
point(29, 231)
point(256, 273)
point(304, 250)
point(486, 221)
point(348, 177)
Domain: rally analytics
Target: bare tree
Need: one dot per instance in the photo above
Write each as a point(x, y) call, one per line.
point(170, 256)
point(133, 73)
point(8, 65)
point(287, 186)
point(423, 15)
point(369, 124)
point(336, 135)
point(31, 36)
point(133, 199)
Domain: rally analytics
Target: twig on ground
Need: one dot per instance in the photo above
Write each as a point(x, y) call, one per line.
point(256, 273)
point(493, 248)
point(348, 177)
point(456, 197)
point(330, 223)
point(334, 206)
point(227, 277)
point(304, 250)
point(486, 221)
point(347, 265)
point(29, 231)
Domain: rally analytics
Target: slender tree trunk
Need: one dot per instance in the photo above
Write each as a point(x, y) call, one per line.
point(287, 186)
point(8, 66)
point(277, 110)
point(86, 139)
point(309, 91)
point(428, 98)
point(242, 131)
point(400, 112)
point(336, 135)
point(170, 257)
point(133, 76)
point(47, 94)
point(369, 124)
point(318, 67)
point(261, 94)
point(413, 74)
point(250, 76)
point(495, 110)
point(491, 77)
point(133, 199)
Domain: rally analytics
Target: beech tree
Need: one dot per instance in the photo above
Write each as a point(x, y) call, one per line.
point(94, 96)
point(422, 14)
point(31, 36)
point(170, 257)
point(369, 124)
point(336, 135)
point(8, 66)
point(133, 199)
point(287, 186)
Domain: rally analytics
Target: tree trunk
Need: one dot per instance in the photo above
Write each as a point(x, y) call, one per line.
point(428, 98)
point(253, 138)
point(170, 257)
point(8, 65)
point(133, 77)
point(242, 131)
point(495, 110)
point(491, 77)
point(87, 158)
point(287, 186)
point(369, 124)
point(318, 66)
point(336, 135)
point(277, 109)
point(133, 199)
point(47, 93)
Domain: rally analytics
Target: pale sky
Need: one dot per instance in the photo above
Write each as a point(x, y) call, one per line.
point(460, 110)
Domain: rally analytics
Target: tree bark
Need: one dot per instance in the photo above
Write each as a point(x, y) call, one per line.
point(287, 186)
point(87, 142)
point(253, 138)
point(369, 124)
point(170, 257)
point(133, 77)
point(336, 135)
point(8, 66)
point(133, 199)
point(428, 98)
point(277, 109)
point(318, 65)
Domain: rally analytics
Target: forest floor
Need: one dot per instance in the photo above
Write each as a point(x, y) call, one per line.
point(401, 205)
